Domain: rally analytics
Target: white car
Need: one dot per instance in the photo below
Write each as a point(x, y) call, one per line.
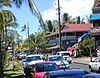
point(66, 55)
point(63, 64)
point(30, 61)
point(95, 65)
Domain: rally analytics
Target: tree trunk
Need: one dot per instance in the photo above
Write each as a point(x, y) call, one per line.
point(1, 57)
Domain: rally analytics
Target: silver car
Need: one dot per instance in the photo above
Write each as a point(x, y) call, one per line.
point(63, 64)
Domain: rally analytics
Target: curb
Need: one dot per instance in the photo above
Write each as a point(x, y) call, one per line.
point(81, 63)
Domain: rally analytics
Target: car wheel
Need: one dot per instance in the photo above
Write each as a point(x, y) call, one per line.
point(99, 70)
point(90, 68)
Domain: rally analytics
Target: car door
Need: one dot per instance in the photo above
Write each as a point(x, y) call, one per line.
point(95, 64)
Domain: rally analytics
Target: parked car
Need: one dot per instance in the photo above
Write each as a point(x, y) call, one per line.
point(93, 75)
point(63, 64)
point(95, 65)
point(29, 62)
point(21, 56)
point(42, 68)
point(66, 55)
point(72, 73)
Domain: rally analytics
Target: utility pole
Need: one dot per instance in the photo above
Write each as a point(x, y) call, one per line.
point(28, 36)
point(59, 25)
point(90, 49)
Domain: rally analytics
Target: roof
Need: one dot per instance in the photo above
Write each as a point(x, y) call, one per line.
point(68, 72)
point(96, 4)
point(95, 17)
point(45, 62)
point(34, 55)
point(54, 56)
point(94, 75)
point(74, 28)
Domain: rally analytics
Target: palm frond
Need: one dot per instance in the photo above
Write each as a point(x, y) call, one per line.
point(18, 3)
point(6, 3)
point(36, 12)
point(23, 28)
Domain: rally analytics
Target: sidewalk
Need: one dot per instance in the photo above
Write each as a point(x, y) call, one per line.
point(82, 60)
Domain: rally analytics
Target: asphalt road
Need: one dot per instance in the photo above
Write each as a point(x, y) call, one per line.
point(82, 66)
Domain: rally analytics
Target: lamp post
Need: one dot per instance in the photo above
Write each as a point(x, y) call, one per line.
point(59, 25)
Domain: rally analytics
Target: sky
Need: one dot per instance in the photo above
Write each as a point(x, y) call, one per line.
point(48, 10)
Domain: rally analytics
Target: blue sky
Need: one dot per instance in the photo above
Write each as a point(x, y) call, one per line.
point(48, 9)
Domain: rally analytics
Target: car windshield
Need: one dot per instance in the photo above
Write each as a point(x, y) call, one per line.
point(65, 54)
point(46, 67)
point(55, 58)
point(33, 58)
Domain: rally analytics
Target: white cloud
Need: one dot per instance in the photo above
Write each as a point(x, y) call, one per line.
point(73, 7)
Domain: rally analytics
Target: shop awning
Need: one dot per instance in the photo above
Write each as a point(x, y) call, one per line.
point(54, 47)
point(95, 17)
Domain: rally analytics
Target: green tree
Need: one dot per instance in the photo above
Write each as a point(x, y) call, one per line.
point(37, 41)
point(85, 46)
point(6, 19)
point(66, 18)
point(50, 27)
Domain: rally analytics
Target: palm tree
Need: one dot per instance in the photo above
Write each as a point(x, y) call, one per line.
point(66, 18)
point(49, 25)
point(6, 19)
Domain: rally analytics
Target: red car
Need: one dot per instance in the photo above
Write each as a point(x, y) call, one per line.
point(41, 68)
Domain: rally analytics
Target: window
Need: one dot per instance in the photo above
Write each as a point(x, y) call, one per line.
point(56, 58)
point(46, 67)
point(33, 58)
point(70, 34)
point(63, 34)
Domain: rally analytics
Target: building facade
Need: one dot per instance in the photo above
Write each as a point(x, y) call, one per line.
point(69, 35)
point(95, 18)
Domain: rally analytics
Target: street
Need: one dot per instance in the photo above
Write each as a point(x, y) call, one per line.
point(82, 66)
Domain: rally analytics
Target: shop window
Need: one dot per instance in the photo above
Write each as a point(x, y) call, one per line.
point(79, 33)
point(70, 34)
point(63, 34)
point(57, 35)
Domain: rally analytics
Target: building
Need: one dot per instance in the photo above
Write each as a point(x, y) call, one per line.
point(95, 18)
point(69, 35)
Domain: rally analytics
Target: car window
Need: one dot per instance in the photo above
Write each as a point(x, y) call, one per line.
point(50, 67)
point(97, 60)
point(56, 58)
point(33, 58)
point(65, 54)
point(46, 67)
